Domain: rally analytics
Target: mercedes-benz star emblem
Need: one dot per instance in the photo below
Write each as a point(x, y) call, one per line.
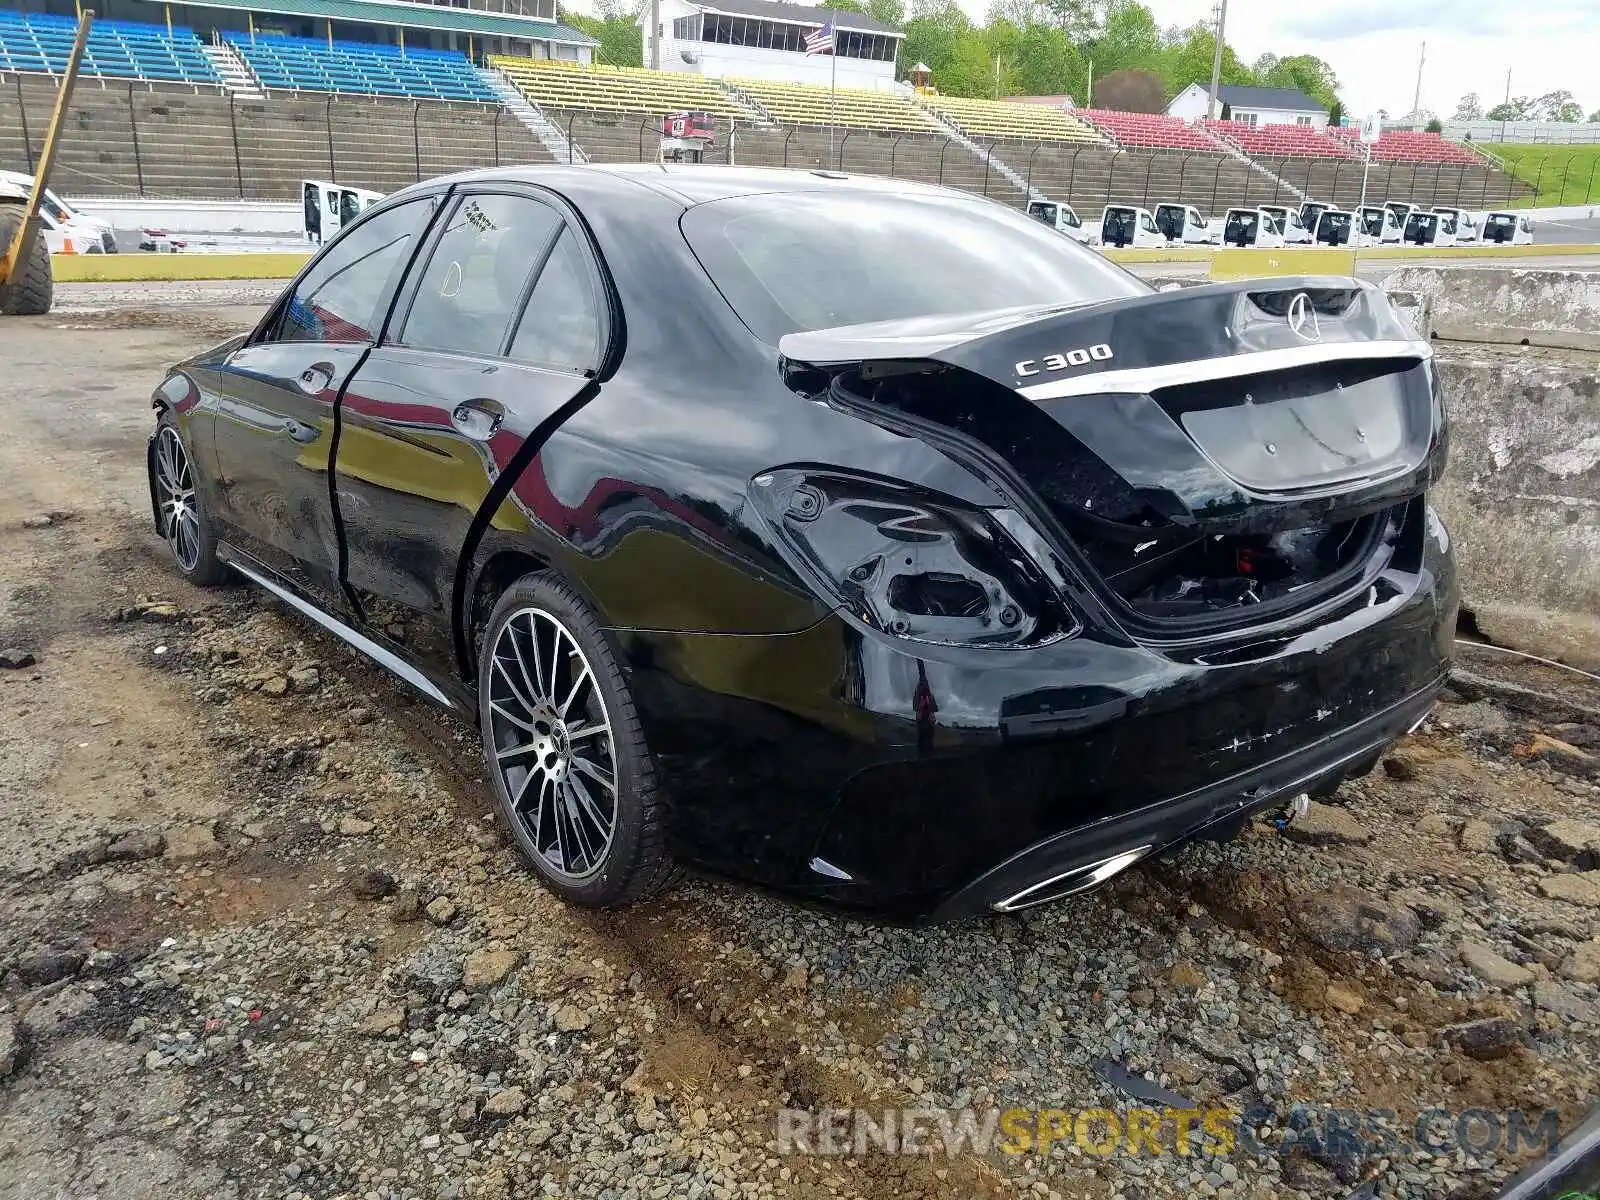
point(1303, 319)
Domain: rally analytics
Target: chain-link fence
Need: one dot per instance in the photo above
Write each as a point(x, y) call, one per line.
point(132, 140)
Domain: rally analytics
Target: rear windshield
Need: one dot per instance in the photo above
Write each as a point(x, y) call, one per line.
point(1335, 225)
point(803, 260)
point(1500, 222)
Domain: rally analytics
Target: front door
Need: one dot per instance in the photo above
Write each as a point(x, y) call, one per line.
point(277, 395)
point(499, 330)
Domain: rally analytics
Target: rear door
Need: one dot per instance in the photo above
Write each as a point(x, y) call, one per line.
point(275, 412)
point(500, 326)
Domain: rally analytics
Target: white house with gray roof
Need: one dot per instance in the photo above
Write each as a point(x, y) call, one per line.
point(762, 39)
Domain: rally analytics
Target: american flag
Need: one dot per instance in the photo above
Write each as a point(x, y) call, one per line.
point(821, 42)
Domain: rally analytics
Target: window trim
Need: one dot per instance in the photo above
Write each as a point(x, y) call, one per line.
point(608, 323)
point(265, 331)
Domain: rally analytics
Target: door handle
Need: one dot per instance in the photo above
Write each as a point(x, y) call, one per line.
point(314, 379)
point(477, 419)
point(300, 431)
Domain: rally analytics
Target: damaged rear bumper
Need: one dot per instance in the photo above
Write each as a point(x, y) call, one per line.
point(1082, 858)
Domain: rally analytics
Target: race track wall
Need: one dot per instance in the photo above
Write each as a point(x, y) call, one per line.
point(1521, 497)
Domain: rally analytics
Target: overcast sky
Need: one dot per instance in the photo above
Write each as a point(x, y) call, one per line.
point(1373, 45)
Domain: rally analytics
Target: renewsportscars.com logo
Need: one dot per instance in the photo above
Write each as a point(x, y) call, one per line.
point(1104, 1132)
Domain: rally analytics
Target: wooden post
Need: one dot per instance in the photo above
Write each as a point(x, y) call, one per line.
point(330, 33)
point(401, 30)
point(250, 24)
point(168, 9)
point(29, 228)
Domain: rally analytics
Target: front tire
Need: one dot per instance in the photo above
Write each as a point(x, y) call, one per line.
point(572, 775)
point(32, 291)
point(180, 512)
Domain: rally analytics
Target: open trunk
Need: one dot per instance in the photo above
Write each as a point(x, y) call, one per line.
point(1208, 458)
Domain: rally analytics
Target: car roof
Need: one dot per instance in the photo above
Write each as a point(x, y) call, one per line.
point(696, 183)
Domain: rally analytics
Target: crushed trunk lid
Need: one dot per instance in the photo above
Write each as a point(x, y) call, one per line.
point(1208, 454)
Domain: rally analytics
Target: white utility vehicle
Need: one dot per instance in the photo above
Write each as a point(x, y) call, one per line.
point(1060, 217)
point(329, 207)
point(1289, 225)
point(1126, 225)
point(1186, 224)
point(1335, 227)
point(1507, 229)
point(1251, 227)
point(1375, 225)
point(1459, 223)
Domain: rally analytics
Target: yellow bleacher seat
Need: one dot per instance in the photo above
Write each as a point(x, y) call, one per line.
point(813, 104)
point(1001, 118)
point(615, 89)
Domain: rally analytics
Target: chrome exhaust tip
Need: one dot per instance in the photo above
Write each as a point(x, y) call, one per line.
point(1071, 883)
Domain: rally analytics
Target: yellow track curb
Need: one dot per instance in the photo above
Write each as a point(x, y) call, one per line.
point(1226, 264)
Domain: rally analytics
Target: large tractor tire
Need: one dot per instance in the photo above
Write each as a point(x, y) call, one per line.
point(29, 292)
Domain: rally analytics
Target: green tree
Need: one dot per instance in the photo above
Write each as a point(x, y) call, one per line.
point(892, 12)
point(1186, 59)
point(1509, 110)
point(1594, 117)
point(1469, 108)
point(1048, 64)
point(1305, 73)
point(1130, 38)
point(621, 41)
point(933, 33)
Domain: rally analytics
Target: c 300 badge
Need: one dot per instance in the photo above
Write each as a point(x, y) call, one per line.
point(1080, 357)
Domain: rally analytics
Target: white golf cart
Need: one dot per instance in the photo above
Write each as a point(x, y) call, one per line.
point(330, 207)
point(1251, 227)
point(1459, 223)
point(1126, 225)
point(1375, 226)
point(1184, 223)
point(1310, 211)
point(1507, 229)
point(1425, 229)
point(1060, 217)
point(1335, 227)
point(1289, 225)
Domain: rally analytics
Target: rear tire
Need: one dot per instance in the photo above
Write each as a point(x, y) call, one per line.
point(182, 513)
point(31, 292)
point(566, 755)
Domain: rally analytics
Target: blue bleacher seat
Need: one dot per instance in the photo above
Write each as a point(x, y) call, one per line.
point(310, 64)
point(116, 49)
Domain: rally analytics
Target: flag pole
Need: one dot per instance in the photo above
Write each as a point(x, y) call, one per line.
point(833, 80)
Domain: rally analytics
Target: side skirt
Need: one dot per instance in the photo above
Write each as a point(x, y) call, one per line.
point(381, 655)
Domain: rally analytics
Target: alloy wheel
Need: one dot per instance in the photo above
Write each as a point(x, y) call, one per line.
point(553, 743)
point(180, 518)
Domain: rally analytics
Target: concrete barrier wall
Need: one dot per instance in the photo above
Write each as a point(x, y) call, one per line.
point(1507, 305)
point(1522, 495)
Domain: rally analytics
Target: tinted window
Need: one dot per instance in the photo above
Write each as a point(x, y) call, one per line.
point(341, 297)
point(477, 274)
point(561, 325)
point(804, 260)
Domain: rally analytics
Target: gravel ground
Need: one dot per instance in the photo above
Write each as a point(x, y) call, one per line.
point(264, 938)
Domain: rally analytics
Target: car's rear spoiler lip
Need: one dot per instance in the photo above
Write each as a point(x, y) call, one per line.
point(1142, 380)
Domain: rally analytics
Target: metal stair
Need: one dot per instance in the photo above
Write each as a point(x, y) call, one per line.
point(553, 137)
point(998, 165)
point(231, 69)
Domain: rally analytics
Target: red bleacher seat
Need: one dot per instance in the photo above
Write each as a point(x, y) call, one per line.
point(1281, 141)
point(1148, 130)
point(1404, 145)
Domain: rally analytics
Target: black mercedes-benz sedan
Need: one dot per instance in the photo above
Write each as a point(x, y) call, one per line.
point(862, 539)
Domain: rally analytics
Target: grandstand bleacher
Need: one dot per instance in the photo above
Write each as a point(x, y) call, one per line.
point(1406, 145)
point(615, 89)
point(1149, 131)
point(40, 43)
point(362, 68)
point(812, 104)
point(1280, 141)
point(1008, 119)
